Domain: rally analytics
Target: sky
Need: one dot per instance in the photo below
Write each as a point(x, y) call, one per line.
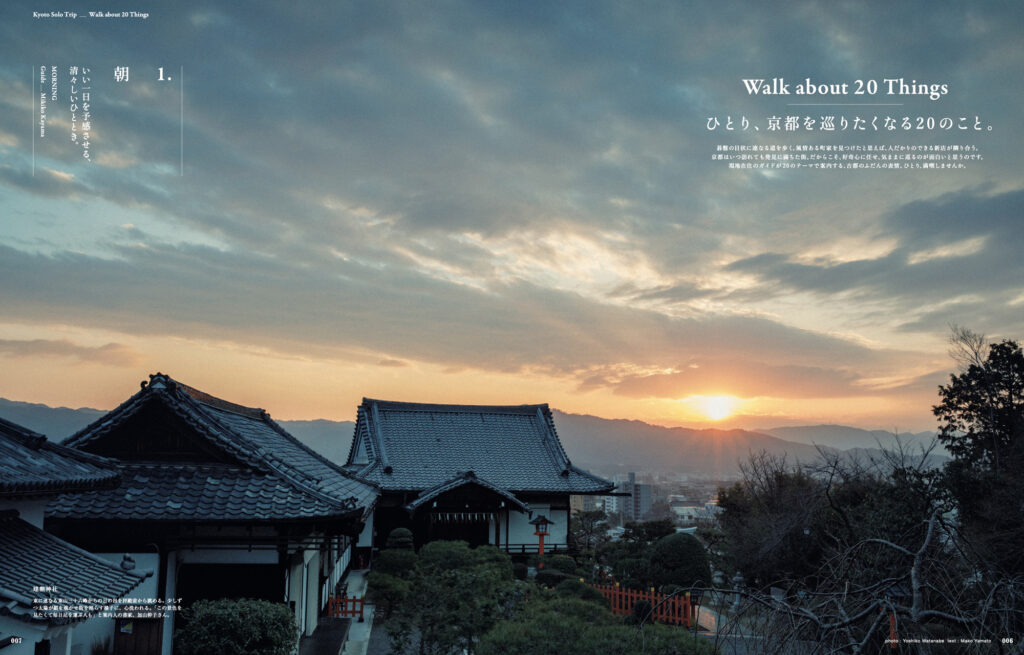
point(505, 202)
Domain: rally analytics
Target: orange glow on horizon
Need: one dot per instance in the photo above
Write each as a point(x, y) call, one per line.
point(330, 384)
point(716, 408)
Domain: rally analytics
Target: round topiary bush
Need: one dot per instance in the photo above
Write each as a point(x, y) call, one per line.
point(641, 612)
point(679, 559)
point(237, 627)
point(520, 570)
point(563, 563)
point(573, 588)
point(399, 539)
point(570, 587)
point(446, 555)
point(550, 577)
point(397, 562)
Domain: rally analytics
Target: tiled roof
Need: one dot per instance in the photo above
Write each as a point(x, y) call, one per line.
point(250, 437)
point(416, 446)
point(460, 480)
point(31, 558)
point(32, 465)
point(195, 492)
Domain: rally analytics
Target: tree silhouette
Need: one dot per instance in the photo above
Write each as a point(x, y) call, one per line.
point(982, 427)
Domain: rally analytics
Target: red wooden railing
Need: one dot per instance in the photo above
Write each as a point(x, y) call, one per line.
point(893, 638)
point(676, 610)
point(344, 606)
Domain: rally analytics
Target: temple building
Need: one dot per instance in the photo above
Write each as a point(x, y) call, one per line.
point(227, 503)
point(472, 472)
point(44, 580)
point(179, 495)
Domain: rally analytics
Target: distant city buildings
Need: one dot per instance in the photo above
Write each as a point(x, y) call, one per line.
point(578, 503)
point(640, 496)
point(613, 506)
point(635, 506)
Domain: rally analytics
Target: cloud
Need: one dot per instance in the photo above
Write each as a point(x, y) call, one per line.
point(963, 243)
point(110, 354)
point(166, 289)
point(45, 182)
point(518, 187)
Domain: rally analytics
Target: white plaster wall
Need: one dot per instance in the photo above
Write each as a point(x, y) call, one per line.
point(295, 590)
point(521, 532)
point(312, 591)
point(30, 511)
point(60, 644)
point(95, 629)
point(519, 529)
point(366, 536)
point(560, 530)
point(172, 590)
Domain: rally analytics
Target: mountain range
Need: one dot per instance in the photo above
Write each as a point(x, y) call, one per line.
point(603, 445)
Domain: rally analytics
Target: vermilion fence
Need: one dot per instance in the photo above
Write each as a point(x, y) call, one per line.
point(338, 607)
point(676, 610)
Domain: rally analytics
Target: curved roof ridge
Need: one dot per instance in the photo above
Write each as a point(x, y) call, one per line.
point(377, 436)
point(334, 466)
point(32, 464)
point(199, 410)
point(220, 403)
point(106, 422)
point(260, 414)
point(461, 479)
point(258, 454)
point(513, 446)
point(400, 405)
point(551, 442)
point(82, 574)
point(163, 386)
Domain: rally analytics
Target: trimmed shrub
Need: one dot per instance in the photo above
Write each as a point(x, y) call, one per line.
point(573, 588)
point(568, 626)
point(679, 559)
point(570, 587)
point(399, 563)
point(237, 627)
point(494, 557)
point(631, 572)
point(550, 577)
point(520, 570)
point(563, 563)
point(400, 539)
point(641, 612)
point(386, 591)
point(593, 595)
point(447, 555)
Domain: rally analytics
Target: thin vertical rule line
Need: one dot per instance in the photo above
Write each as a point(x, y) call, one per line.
point(181, 134)
point(33, 121)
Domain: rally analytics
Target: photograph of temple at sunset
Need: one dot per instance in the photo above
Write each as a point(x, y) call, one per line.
point(487, 328)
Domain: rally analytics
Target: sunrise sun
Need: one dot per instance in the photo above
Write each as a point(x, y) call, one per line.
point(716, 408)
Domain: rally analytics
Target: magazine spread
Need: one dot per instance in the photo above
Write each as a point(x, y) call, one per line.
point(511, 327)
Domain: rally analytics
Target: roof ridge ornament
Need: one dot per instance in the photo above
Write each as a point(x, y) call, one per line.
point(381, 453)
point(158, 381)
